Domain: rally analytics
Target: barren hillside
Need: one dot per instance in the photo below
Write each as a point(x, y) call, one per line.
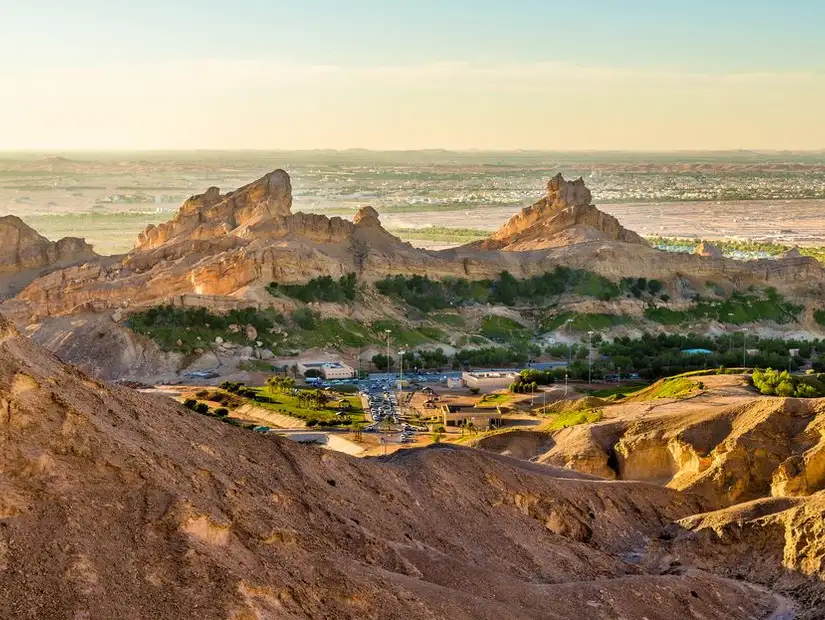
point(122, 505)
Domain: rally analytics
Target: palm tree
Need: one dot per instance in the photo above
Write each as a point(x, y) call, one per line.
point(274, 384)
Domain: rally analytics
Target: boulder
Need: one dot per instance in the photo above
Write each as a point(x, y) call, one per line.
point(251, 332)
point(709, 250)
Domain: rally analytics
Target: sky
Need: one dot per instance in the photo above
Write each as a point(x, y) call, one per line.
point(384, 74)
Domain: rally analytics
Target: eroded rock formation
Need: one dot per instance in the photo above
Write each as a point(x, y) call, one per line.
point(231, 246)
point(564, 217)
point(25, 254)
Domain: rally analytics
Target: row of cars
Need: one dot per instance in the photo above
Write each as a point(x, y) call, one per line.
point(385, 412)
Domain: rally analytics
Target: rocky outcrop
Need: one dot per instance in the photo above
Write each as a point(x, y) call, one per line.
point(564, 217)
point(708, 250)
point(25, 254)
point(212, 214)
point(23, 249)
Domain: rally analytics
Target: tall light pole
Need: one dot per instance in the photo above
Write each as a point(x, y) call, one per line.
point(744, 347)
point(388, 332)
point(590, 357)
point(730, 332)
point(401, 365)
point(569, 344)
point(565, 383)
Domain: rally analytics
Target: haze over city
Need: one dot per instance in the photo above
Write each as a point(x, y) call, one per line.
point(454, 74)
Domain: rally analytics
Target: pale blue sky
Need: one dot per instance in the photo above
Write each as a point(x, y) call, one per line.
point(439, 73)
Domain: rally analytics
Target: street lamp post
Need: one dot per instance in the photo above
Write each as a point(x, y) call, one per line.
point(730, 333)
point(744, 347)
point(388, 332)
point(590, 357)
point(565, 383)
point(569, 344)
point(401, 365)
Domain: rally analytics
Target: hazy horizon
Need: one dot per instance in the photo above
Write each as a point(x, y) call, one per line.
point(539, 76)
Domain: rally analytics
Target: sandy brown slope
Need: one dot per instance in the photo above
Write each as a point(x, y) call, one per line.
point(115, 504)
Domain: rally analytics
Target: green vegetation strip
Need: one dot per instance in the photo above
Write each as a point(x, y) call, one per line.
point(440, 233)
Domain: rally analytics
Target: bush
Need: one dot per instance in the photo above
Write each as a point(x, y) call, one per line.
point(190, 403)
point(202, 408)
point(304, 318)
point(781, 383)
point(221, 412)
point(323, 288)
point(427, 294)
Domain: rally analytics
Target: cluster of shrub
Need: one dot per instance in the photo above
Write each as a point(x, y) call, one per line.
point(240, 389)
point(662, 355)
point(186, 329)
point(203, 408)
point(323, 288)
point(415, 360)
point(342, 422)
point(781, 383)
point(737, 309)
point(429, 294)
point(530, 379)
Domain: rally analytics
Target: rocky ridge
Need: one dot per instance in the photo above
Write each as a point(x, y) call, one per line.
point(230, 246)
point(117, 504)
point(760, 461)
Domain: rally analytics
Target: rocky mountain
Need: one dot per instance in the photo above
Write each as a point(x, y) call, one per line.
point(227, 247)
point(117, 504)
point(564, 217)
point(26, 255)
point(221, 251)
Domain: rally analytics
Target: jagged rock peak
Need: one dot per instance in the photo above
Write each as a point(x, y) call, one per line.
point(709, 250)
point(22, 248)
point(213, 214)
point(367, 216)
point(791, 253)
point(562, 194)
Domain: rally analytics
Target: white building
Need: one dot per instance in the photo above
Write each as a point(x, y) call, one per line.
point(328, 370)
point(488, 381)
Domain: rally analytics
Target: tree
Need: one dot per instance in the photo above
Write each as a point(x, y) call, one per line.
point(382, 362)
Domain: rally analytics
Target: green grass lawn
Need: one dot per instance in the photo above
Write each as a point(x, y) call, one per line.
point(584, 322)
point(440, 233)
point(490, 401)
point(451, 320)
point(400, 335)
point(504, 330)
point(288, 405)
point(574, 418)
point(673, 387)
point(624, 390)
point(342, 333)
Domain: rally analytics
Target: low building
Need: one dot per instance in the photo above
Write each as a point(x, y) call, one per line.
point(452, 415)
point(488, 381)
point(327, 370)
point(454, 383)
